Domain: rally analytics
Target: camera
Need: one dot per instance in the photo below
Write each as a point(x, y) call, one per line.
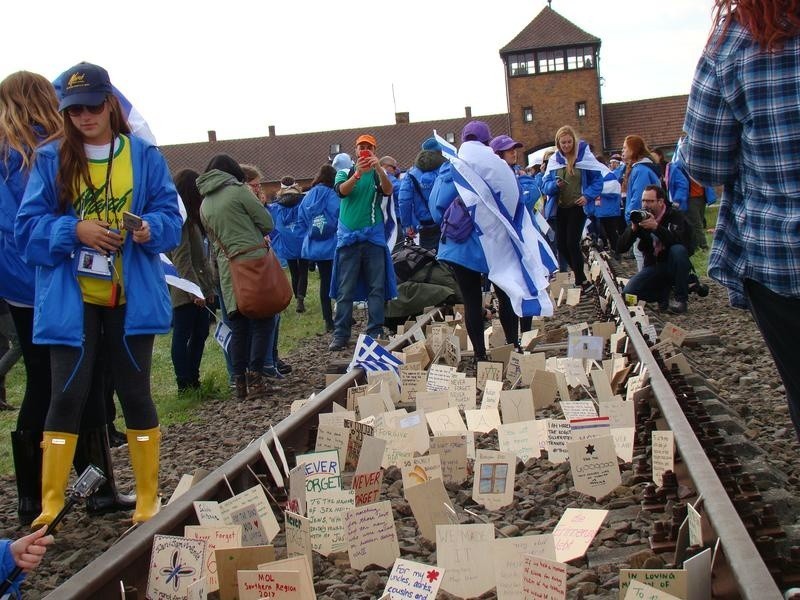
point(637, 216)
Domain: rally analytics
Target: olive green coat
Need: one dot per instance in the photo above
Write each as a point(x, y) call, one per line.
point(233, 217)
point(191, 263)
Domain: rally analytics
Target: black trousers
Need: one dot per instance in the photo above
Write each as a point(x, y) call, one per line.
point(74, 369)
point(777, 318)
point(298, 269)
point(509, 319)
point(325, 268)
point(469, 283)
point(568, 236)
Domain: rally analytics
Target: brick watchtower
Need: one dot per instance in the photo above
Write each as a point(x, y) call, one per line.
point(552, 79)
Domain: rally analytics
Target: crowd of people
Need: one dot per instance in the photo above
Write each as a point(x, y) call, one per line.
point(88, 208)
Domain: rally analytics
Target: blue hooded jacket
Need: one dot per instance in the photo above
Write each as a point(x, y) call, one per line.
point(319, 218)
point(289, 232)
point(16, 278)
point(678, 183)
point(48, 240)
point(591, 180)
point(468, 253)
point(643, 173)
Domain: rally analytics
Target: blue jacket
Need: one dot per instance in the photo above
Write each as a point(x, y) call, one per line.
point(678, 183)
point(289, 232)
point(319, 218)
point(591, 183)
point(643, 173)
point(16, 278)
point(48, 240)
point(7, 565)
point(529, 191)
point(609, 203)
point(413, 208)
point(468, 253)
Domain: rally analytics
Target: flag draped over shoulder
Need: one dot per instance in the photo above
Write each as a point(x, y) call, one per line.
point(584, 160)
point(371, 356)
point(175, 280)
point(520, 260)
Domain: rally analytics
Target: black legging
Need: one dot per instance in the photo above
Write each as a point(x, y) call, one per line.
point(36, 358)
point(469, 283)
point(568, 236)
point(74, 368)
point(325, 268)
point(610, 229)
point(298, 268)
point(509, 319)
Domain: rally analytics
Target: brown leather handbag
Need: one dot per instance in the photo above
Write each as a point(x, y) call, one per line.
point(260, 286)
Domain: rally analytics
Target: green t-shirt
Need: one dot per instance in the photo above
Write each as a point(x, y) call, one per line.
point(360, 208)
point(570, 193)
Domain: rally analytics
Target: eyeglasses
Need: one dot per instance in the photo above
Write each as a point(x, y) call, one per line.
point(76, 110)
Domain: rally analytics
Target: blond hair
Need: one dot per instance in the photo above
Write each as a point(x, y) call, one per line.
point(572, 157)
point(26, 100)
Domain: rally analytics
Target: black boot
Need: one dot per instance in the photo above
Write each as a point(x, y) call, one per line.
point(27, 449)
point(93, 449)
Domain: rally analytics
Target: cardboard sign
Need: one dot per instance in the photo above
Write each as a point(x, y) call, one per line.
point(371, 535)
point(322, 470)
point(296, 564)
point(493, 484)
point(594, 467)
point(411, 382)
point(371, 457)
point(585, 346)
point(420, 469)
point(663, 450)
point(461, 550)
point(418, 353)
point(620, 413)
point(281, 585)
point(429, 402)
point(623, 442)
point(575, 531)
point(439, 377)
point(586, 429)
point(520, 439)
point(254, 533)
point(399, 445)
point(427, 501)
point(232, 560)
point(491, 394)
point(640, 591)
point(442, 421)
point(577, 409)
point(332, 437)
point(255, 496)
point(416, 426)
point(175, 564)
point(367, 486)
point(508, 556)
point(544, 389)
point(296, 501)
point(208, 512)
point(223, 536)
point(197, 590)
point(298, 536)
point(358, 431)
point(482, 421)
point(452, 452)
point(543, 579)
point(326, 512)
point(517, 406)
point(488, 370)
point(410, 579)
point(462, 393)
point(677, 335)
point(671, 581)
point(559, 434)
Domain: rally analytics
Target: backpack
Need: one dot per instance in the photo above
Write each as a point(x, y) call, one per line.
point(457, 224)
point(409, 258)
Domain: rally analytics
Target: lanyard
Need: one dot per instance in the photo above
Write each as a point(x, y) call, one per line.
point(107, 184)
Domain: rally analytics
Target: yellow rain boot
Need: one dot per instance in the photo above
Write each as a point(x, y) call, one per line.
point(58, 450)
point(144, 446)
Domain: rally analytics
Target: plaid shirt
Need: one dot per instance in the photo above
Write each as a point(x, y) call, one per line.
point(743, 132)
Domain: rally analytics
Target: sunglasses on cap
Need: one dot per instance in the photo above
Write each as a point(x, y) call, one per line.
point(76, 110)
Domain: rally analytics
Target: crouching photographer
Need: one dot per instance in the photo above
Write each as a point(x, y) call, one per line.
point(663, 236)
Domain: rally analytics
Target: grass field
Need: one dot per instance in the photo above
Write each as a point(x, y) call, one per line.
point(174, 407)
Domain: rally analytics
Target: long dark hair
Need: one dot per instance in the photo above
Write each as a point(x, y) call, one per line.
point(186, 184)
point(227, 164)
point(326, 176)
point(73, 167)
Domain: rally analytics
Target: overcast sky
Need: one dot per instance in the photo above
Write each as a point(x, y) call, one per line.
point(310, 65)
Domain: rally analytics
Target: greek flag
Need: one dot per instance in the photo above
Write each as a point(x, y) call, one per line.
point(520, 260)
point(371, 356)
point(175, 280)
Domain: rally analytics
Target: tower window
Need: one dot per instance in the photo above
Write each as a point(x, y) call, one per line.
point(527, 114)
point(550, 60)
point(580, 109)
point(521, 64)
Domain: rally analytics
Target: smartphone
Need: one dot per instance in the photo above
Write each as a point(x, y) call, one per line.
point(131, 222)
point(364, 154)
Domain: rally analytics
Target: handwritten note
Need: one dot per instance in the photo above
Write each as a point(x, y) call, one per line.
point(575, 531)
point(663, 454)
point(461, 550)
point(371, 535)
point(326, 511)
point(410, 579)
point(543, 579)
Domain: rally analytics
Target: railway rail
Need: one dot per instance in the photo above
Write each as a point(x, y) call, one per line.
point(739, 572)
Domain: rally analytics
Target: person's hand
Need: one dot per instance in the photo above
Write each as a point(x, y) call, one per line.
point(142, 235)
point(581, 201)
point(28, 551)
point(560, 183)
point(98, 235)
point(366, 162)
point(649, 224)
point(201, 302)
point(410, 232)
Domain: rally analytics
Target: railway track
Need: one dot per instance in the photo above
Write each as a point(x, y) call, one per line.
point(740, 571)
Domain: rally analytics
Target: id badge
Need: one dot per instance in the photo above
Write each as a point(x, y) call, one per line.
point(92, 263)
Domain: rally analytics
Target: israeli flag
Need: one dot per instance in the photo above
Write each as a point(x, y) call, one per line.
point(519, 258)
point(371, 356)
point(175, 280)
point(584, 159)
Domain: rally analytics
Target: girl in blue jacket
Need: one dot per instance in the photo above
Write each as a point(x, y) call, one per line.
point(640, 171)
point(319, 218)
point(288, 236)
point(99, 280)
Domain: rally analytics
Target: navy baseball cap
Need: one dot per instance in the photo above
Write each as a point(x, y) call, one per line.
point(84, 84)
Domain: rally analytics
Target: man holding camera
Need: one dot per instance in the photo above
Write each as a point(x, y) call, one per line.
point(362, 265)
point(663, 236)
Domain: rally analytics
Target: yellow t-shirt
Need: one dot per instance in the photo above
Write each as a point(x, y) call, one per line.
point(92, 204)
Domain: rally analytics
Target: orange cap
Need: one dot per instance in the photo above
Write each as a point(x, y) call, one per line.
point(366, 139)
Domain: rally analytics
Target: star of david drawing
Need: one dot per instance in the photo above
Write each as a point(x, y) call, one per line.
point(590, 449)
point(176, 570)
